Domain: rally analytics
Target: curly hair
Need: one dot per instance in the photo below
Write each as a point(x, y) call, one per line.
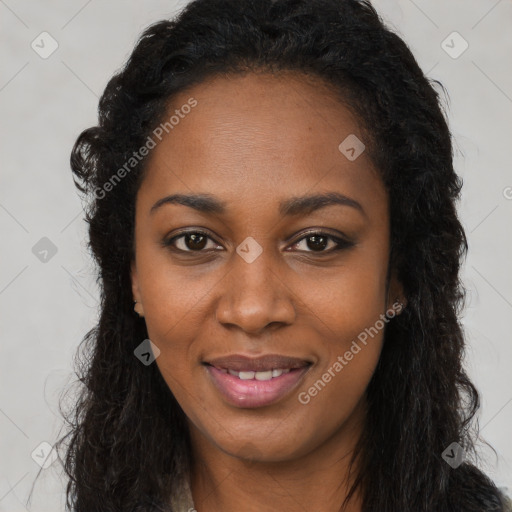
point(420, 399)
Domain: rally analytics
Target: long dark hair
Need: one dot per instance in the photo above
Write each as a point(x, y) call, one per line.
point(128, 443)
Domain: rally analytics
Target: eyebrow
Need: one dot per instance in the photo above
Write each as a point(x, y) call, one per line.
point(294, 206)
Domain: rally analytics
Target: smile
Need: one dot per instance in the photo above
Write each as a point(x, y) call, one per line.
point(249, 375)
point(249, 389)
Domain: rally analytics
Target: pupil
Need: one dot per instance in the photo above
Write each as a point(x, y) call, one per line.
point(198, 241)
point(319, 242)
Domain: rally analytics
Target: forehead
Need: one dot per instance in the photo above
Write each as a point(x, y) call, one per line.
point(259, 136)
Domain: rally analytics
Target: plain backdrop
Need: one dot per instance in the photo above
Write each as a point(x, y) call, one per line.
point(48, 295)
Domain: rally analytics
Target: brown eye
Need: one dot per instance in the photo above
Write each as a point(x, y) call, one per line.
point(195, 241)
point(191, 241)
point(317, 242)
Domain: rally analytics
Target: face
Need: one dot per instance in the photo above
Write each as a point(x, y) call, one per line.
point(256, 269)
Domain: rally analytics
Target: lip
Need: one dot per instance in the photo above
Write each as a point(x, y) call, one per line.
point(255, 393)
point(239, 362)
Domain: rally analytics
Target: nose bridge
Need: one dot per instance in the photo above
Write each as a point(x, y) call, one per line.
point(254, 294)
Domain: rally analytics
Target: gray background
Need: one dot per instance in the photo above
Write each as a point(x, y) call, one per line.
point(46, 307)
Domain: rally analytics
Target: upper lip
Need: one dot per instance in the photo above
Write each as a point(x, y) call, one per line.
point(238, 362)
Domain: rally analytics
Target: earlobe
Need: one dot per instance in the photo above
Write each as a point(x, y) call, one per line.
point(396, 299)
point(137, 305)
point(135, 281)
point(137, 308)
point(398, 305)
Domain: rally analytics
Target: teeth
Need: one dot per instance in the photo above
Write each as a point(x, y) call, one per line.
point(265, 375)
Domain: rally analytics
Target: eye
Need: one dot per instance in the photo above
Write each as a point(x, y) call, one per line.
point(189, 241)
point(197, 241)
point(317, 241)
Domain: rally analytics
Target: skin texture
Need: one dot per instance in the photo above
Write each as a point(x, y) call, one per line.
point(253, 141)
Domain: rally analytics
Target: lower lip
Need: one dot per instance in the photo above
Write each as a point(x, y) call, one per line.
point(255, 393)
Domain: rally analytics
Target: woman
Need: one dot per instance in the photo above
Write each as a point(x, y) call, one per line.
point(272, 208)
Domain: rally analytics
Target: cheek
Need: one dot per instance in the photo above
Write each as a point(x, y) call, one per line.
point(173, 297)
point(332, 397)
point(350, 297)
point(349, 310)
point(350, 347)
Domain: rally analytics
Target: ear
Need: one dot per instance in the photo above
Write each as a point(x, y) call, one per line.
point(396, 298)
point(135, 288)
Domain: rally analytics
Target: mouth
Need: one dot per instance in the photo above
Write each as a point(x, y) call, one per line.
point(251, 375)
point(263, 364)
point(256, 382)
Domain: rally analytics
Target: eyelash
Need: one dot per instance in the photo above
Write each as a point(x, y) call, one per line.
point(340, 242)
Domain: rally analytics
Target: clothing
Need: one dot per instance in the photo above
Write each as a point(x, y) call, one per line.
point(183, 501)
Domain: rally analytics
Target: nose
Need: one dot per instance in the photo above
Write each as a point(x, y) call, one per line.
point(254, 296)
